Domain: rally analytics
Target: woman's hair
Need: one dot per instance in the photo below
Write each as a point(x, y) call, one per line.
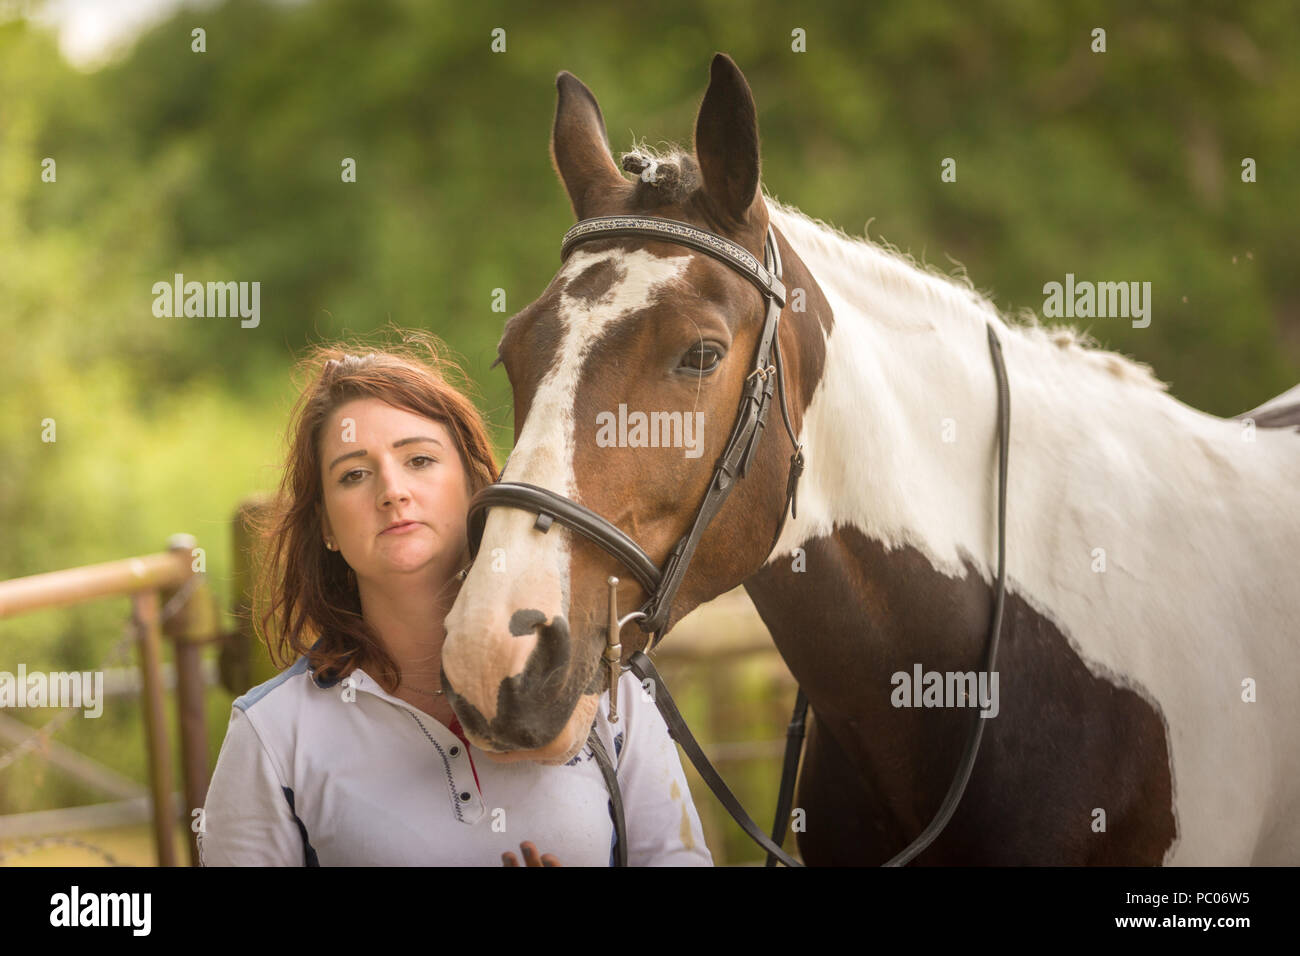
point(307, 594)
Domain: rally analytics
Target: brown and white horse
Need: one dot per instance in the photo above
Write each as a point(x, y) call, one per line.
point(1148, 669)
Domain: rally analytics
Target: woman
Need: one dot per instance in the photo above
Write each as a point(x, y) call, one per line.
point(352, 756)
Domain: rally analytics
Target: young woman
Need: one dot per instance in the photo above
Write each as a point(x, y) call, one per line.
point(352, 756)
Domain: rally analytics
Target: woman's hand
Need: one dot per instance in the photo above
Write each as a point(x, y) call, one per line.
point(531, 857)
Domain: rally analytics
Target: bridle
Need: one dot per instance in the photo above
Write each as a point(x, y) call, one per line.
point(755, 400)
point(663, 583)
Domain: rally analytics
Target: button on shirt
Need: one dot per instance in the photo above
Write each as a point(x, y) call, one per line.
point(345, 774)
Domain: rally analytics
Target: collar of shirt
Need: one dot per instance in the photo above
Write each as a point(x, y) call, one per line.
point(365, 683)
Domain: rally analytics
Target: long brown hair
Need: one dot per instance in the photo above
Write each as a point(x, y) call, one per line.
point(308, 594)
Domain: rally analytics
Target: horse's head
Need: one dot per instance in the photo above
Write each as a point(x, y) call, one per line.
point(635, 345)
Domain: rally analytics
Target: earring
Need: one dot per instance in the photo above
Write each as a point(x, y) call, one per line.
point(329, 543)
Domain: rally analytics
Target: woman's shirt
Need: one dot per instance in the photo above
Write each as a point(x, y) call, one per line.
point(345, 774)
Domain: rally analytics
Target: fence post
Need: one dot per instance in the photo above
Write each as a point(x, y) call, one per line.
point(189, 627)
point(145, 604)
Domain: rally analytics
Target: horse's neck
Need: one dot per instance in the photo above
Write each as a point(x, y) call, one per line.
point(900, 433)
point(897, 508)
point(899, 437)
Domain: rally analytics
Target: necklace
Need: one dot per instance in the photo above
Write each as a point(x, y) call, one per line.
point(421, 690)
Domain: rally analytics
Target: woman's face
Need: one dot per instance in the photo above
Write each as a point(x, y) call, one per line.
point(381, 465)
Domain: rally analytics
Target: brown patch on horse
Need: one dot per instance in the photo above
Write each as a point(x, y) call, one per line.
point(595, 282)
point(1065, 742)
point(531, 338)
point(1284, 416)
point(532, 334)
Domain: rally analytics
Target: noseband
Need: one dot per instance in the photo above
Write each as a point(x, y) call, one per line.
point(755, 401)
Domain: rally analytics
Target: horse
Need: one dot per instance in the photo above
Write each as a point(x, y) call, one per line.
point(1146, 704)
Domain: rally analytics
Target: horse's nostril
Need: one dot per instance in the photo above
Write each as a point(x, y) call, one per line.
point(525, 621)
point(551, 655)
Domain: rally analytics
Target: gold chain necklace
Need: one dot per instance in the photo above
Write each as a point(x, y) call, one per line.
point(433, 693)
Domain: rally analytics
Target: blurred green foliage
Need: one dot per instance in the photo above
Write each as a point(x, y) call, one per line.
point(1123, 165)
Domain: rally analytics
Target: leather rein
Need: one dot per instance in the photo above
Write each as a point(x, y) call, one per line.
point(662, 584)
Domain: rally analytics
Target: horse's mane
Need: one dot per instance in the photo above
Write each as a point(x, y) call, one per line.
point(889, 266)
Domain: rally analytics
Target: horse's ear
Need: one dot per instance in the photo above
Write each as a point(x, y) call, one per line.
point(579, 145)
point(726, 142)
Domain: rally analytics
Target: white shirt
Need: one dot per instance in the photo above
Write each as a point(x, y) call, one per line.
point(312, 773)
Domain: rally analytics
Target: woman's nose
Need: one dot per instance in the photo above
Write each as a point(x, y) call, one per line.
point(393, 487)
point(398, 497)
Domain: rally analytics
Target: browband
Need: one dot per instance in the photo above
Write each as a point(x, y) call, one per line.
point(651, 227)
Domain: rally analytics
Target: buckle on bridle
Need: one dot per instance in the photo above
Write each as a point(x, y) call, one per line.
point(612, 656)
point(762, 373)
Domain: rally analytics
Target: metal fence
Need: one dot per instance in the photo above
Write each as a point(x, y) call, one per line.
point(169, 599)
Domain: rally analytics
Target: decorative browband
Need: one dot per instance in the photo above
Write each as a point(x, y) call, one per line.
point(651, 227)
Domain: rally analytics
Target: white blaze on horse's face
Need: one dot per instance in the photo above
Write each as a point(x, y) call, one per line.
point(510, 620)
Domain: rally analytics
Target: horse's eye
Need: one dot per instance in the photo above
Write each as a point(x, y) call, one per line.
point(701, 358)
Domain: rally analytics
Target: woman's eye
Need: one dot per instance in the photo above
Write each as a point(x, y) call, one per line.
point(427, 460)
point(701, 358)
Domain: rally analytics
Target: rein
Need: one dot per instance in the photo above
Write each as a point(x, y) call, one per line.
point(662, 584)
